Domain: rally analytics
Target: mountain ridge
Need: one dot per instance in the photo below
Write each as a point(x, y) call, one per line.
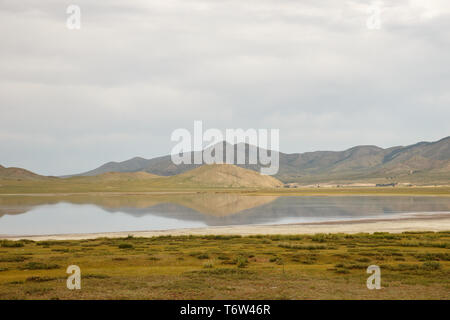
point(414, 162)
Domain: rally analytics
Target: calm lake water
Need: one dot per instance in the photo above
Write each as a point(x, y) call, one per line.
point(89, 214)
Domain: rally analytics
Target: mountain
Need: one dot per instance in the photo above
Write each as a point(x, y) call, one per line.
point(214, 176)
point(206, 176)
point(226, 175)
point(13, 173)
point(423, 162)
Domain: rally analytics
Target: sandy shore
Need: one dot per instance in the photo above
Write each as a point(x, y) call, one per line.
point(417, 222)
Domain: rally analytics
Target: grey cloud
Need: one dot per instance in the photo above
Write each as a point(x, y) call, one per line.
point(70, 100)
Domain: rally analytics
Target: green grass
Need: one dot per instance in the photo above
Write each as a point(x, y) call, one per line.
point(323, 266)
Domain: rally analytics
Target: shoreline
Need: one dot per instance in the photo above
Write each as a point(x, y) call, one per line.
point(413, 223)
point(423, 190)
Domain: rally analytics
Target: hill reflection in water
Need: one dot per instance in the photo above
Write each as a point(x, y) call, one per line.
point(156, 212)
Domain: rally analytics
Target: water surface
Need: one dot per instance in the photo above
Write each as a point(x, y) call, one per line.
point(91, 214)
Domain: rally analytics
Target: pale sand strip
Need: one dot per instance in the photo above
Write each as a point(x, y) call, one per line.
point(425, 222)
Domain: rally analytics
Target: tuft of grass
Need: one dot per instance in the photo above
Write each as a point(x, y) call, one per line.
point(241, 262)
point(13, 259)
point(39, 266)
point(11, 244)
point(49, 243)
point(431, 265)
point(302, 247)
point(95, 276)
point(433, 256)
point(199, 255)
point(39, 279)
point(154, 258)
point(125, 246)
point(342, 271)
point(277, 260)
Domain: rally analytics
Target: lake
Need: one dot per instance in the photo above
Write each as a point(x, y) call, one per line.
point(41, 215)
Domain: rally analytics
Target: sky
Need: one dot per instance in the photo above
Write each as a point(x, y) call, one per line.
point(320, 71)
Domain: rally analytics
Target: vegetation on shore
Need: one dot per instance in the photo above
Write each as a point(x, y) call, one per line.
point(321, 266)
point(142, 187)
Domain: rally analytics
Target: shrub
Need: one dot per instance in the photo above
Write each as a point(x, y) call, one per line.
point(154, 259)
point(241, 262)
point(39, 266)
point(342, 271)
point(11, 244)
point(126, 246)
point(203, 256)
point(319, 237)
point(96, 276)
point(433, 256)
point(302, 247)
point(431, 265)
point(39, 279)
point(13, 259)
point(401, 267)
point(53, 243)
point(277, 260)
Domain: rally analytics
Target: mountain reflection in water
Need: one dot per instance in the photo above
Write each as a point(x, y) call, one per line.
point(22, 214)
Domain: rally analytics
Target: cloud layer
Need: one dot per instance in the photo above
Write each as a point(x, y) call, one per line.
point(136, 70)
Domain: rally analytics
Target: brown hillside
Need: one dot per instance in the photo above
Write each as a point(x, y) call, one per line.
point(120, 176)
point(13, 173)
point(227, 176)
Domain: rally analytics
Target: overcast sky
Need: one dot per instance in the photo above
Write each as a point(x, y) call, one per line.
point(71, 100)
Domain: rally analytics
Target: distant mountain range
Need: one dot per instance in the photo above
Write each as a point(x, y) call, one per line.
point(423, 162)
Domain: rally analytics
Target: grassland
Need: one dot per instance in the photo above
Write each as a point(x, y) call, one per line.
point(79, 185)
point(321, 266)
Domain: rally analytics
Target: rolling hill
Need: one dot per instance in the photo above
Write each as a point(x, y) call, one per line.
point(122, 176)
point(205, 177)
point(423, 162)
point(18, 174)
point(225, 175)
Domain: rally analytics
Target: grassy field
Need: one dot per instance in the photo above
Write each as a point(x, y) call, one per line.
point(332, 266)
point(163, 185)
point(385, 191)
